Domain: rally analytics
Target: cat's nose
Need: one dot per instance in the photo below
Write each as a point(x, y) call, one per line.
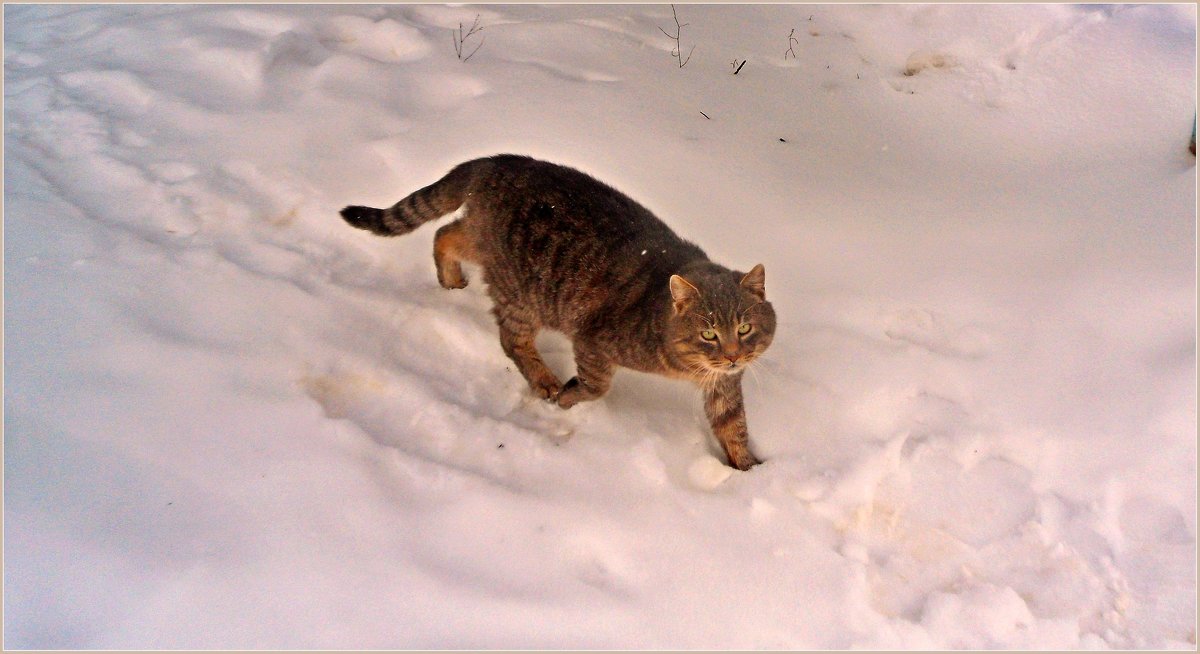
point(732, 358)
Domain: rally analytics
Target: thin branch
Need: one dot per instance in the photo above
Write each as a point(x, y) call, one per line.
point(459, 38)
point(792, 41)
point(677, 52)
point(481, 41)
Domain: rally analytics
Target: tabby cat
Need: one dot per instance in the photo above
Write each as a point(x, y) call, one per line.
point(562, 250)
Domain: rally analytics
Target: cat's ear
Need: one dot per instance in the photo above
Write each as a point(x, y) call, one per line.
point(682, 292)
point(755, 282)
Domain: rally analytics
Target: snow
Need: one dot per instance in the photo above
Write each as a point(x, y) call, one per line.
point(232, 421)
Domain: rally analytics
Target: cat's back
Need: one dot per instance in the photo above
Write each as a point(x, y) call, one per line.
point(566, 240)
point(520, 189)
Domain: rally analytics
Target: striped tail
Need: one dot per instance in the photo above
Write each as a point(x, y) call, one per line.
point(430, 203)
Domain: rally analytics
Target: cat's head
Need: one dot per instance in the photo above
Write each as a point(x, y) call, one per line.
point(721, 320)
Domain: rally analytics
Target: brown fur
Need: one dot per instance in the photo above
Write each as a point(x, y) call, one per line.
point(561, 250)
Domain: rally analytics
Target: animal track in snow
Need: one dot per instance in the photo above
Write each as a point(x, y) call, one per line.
point(931, 331)
point(598, 562)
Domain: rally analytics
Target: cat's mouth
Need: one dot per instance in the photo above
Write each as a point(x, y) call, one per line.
point(721, 367)
point(730, 367)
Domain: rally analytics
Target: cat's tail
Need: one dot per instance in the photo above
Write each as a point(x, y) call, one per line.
point(430, 203)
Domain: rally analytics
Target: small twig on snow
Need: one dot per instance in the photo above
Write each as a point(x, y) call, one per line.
point(792, 41)
point(676, 52)
point(459, 39)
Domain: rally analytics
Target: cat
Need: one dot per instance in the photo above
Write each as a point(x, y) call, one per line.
point(561, 250)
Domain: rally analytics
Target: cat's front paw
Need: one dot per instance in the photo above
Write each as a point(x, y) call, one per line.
point(547, 389)
point(743, 460)
point(573, 392)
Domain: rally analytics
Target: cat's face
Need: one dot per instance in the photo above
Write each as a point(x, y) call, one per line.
point(722, 321)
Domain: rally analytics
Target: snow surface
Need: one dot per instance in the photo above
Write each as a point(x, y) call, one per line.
point(233, 421)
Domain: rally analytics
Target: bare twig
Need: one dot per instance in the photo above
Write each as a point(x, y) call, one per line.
point(705, 115)
point(792, 41)
point(676, 52)
point(737, 68)
point(459, 38)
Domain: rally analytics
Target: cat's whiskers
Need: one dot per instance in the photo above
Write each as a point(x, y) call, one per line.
point(709, 377)
point(768, 370)
point(753, 373)
point(768, 365)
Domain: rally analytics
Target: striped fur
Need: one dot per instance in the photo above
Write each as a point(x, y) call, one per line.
point(726, 412)
point(430, 203)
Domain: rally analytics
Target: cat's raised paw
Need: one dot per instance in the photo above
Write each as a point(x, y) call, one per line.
point(452, 281)
point(548, 390)
point(571, 393)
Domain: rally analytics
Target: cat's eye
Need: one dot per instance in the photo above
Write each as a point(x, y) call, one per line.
point(744, 329)
point(709, 335)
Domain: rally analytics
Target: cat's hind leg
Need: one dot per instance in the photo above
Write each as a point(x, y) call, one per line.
point(517, 334)
point(450, 246)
